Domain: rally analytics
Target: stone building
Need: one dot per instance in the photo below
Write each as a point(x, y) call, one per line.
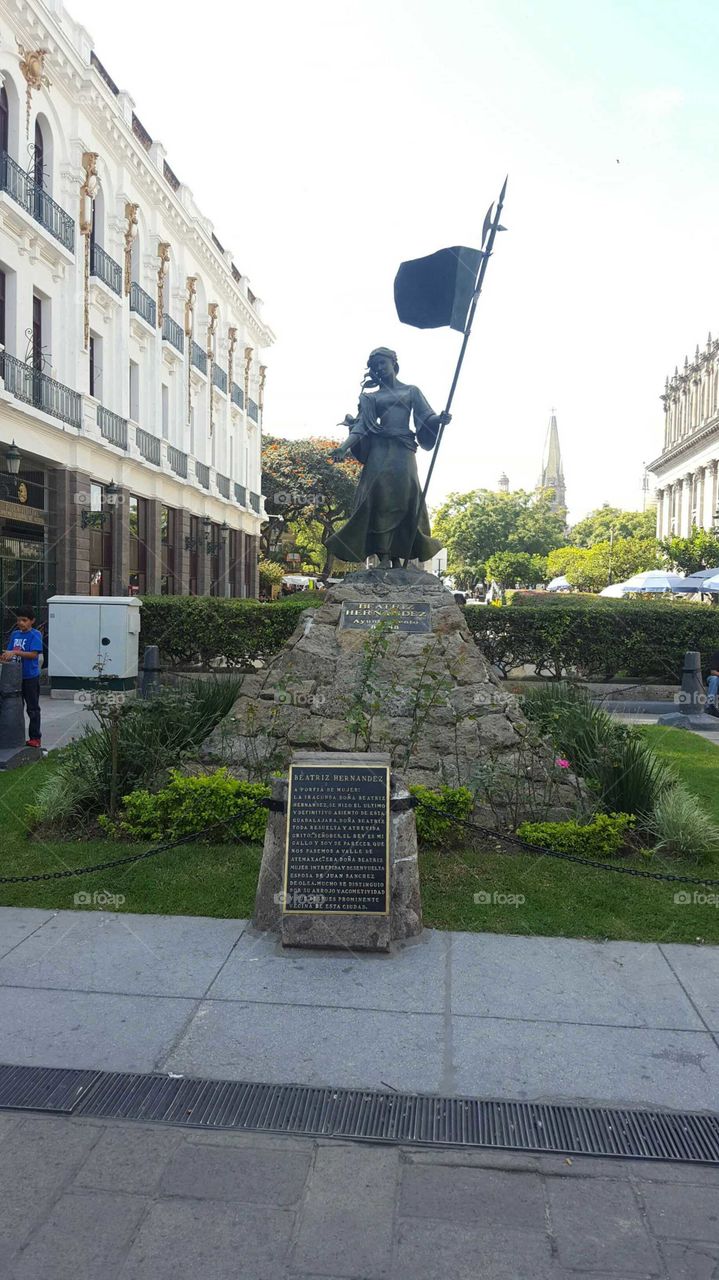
point(686, 469)
point(132, 374)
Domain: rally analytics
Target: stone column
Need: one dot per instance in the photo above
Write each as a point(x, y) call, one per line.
point(254, 549)
point(660, 513)
point(203, 563)
point(68, 542)
point(182, 554)
point(154, 548)
point(119, 517)
point(701, 496)
point(714, 472)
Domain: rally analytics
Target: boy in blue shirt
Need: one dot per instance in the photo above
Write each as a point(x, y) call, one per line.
point(26, 642)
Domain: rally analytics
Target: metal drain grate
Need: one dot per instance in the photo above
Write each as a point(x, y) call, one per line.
point(44, 1088)
point(363, 1114)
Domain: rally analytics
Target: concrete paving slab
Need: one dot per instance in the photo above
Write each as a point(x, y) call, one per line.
point(348, 1215)
point(129, 1159)
point(410, 980)
point(684, 1212)
point(85, 1236)
point(18, 923)
point(123, 952)
point(282, 1044)
point(75, 1029)
point(488, 1197)
point(554, 1062)
point(249, 1175)
point(604, 1231)
point(38, 1158)
point(427, 1250)
point(565, 980)
point(697, 968)
point(189, 1239)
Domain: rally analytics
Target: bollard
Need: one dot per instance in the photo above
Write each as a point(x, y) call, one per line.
point(691, 701)
point(12, 716)
point(150, 682)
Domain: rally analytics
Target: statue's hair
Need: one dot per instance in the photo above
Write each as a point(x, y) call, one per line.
point(369, 380)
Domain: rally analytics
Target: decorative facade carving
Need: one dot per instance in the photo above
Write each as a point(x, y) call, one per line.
point(163, 267)
point(88, 192)
point(32, 66)
point(131, 227)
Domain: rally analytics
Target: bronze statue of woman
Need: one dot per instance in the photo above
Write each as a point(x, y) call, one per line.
point(389, 518)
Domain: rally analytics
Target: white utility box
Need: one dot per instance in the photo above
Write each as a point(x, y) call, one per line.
point(92, 638)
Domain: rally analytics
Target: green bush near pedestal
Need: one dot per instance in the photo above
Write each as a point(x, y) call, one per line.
point(645, 641)
point(209, 629)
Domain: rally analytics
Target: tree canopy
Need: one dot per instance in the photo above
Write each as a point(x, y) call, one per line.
point(687, 555)
point(301, 482)
point(599, 525)
point(592, 568)
point(480, 524)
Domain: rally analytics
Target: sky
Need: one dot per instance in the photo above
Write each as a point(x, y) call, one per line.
point(330, 140)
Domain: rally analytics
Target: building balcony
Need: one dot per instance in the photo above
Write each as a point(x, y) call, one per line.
point(143, 304)
point(219, 378)
point(36, 202)
point(106, 269)
point(198, 357)
point(112, 427)
point(33, 387)
point(148, 445)
point(172, 332)
point(177, 460)
point(253, 411)
point(223, 485)
point(241, 495)
point(237, 396)
point(203, 474)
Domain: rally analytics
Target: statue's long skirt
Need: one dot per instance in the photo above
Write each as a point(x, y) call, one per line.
point(385, 510)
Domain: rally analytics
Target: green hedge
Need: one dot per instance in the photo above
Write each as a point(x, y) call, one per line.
point(643, 641)
point(191, 629)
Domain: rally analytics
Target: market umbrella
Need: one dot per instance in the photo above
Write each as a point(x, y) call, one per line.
point(700, 581)
point(559, 584)
point(654, 580)
point(616, 591)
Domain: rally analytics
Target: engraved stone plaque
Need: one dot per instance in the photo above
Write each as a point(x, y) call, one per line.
point(359, 615)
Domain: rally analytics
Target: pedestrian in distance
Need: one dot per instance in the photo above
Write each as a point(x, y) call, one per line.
point(712, 706)
point(25, 645)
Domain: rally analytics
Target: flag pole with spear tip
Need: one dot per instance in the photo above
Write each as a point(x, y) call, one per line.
point(490, 229)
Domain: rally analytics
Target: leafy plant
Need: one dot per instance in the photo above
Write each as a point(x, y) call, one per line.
point(190, 803)
point(207, 629)
point(603, 837)
point(131, 747)
point(432, 828)
point(681, 826)
point(366, 699)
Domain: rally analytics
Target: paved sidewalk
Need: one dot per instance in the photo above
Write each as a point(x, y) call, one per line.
point(454, 1013)
point(83, 1200)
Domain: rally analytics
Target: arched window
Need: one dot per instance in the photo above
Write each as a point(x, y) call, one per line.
point(4, 121)
point(39, 159)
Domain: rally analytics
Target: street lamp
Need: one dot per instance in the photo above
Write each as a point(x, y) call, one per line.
point(112, 493)
point(12, 459)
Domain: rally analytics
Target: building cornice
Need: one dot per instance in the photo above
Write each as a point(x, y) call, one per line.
point(687, 445)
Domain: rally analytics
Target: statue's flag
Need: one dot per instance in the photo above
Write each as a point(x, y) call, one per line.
point(432, 292)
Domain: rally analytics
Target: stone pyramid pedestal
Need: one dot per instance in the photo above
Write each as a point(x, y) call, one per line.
point(417, 687)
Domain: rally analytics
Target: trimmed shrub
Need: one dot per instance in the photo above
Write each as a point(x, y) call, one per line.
point(645, 641)
point(603, 837)
point(681, 826)
point(614, 760)
point(189, 803)
point(205, 629)
point(432, 829)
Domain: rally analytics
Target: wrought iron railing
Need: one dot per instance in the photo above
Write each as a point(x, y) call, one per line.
point(219, 377)
point(198, 357)
point(203, 474)
point(255, 502)
point(148, 445)
point(172, 332)
point(143, 304)
point(106, 269)
point(32, 386)
point(223, 484)
point(34, 200)
point(238, 396)
point(177, 460)
point(112, 426)
point(241, 495)
point(253, 411)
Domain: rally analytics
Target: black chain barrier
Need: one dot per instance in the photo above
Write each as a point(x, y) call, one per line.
point(536, 849)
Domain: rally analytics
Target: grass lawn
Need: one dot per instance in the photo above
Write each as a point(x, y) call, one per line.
point(559, 898)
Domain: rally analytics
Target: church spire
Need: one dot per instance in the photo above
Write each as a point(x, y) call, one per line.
point(552, 470)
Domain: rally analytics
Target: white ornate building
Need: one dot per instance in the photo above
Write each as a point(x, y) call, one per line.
point(686, 469)
point(132, 375)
